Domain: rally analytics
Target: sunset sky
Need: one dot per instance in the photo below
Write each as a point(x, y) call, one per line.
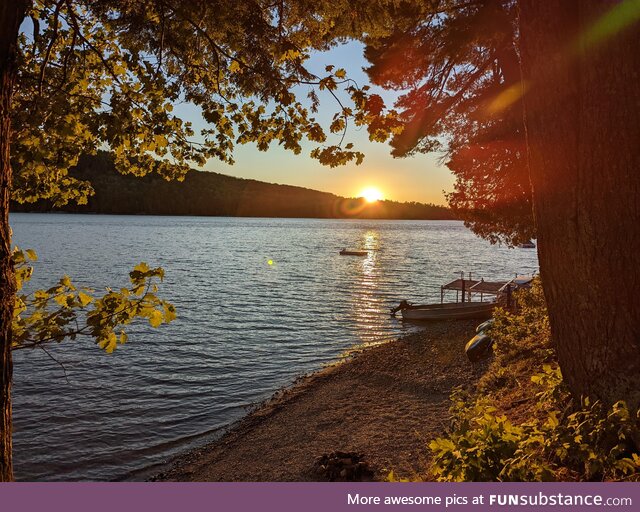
point(417, 178)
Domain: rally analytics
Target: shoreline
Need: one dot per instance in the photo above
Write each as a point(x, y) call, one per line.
point(117, 214)
point(384, 402)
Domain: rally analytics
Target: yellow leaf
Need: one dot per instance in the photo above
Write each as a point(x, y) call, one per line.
point(84, 298)
point(142, 267)
point(61, 299)
point(113, 341)
point(155, 319)
point(169, 313)
point(138, 290)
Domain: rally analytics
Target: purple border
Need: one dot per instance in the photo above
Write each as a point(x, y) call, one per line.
point(298, 497)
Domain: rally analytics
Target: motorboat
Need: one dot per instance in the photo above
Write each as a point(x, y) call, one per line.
point(449, 311)
point(344, 252)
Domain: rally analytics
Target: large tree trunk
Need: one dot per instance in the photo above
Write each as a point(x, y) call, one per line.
point(12, 13)
point(582, 116)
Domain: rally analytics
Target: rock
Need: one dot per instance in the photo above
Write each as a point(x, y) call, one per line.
point(343, 467)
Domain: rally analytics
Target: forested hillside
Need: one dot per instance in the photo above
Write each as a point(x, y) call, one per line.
point(208, 193)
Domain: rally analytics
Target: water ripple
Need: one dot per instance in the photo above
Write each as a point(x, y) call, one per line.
point(244, 329)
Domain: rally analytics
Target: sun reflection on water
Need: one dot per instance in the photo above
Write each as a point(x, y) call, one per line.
point(367, 301)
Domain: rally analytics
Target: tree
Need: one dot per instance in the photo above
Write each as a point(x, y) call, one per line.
point(11, 15)
point(540, 100)
point(580, 61)
point(77, 75)
point(458, 63)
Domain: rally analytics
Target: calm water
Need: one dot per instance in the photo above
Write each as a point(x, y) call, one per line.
point(245, 327)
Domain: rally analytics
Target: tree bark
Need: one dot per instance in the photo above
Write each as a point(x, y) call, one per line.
point(582, 118)
point(12, 12)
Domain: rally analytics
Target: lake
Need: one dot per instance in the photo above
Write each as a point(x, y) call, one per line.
point(245, 327)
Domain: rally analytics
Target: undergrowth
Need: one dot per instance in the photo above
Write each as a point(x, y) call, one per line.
point(546, 435)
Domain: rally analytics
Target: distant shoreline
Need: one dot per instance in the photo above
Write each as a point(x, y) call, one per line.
point(60, 212)
point(212, 194)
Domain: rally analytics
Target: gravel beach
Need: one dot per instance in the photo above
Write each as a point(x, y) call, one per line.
point(384, 403)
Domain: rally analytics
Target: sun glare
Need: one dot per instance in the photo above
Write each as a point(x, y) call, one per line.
point(371, 194)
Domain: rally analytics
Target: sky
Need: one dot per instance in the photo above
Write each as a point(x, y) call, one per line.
point(417, 178)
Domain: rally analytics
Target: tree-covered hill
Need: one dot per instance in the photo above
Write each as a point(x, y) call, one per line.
point(209, 193)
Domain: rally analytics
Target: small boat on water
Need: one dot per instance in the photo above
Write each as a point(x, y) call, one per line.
point(528, 245)
point(344, 252)
point(449, 311)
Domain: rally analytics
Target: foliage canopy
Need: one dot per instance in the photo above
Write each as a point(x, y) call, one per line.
point(458, 68)
point(102, 73)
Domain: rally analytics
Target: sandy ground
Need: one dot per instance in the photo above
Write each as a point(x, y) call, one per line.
point(385, 403)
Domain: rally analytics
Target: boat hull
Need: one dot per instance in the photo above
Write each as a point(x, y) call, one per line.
point(455, 311)
point(479, 347)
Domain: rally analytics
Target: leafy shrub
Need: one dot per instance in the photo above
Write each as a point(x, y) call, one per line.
point(560, 440)
point(526, 329)
point(522, 341)
point(591, 443)
point(479, 445)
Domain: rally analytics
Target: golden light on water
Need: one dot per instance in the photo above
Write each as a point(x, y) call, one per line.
point(371, 194)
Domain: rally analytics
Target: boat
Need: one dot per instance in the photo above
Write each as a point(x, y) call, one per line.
point(449, 311)
point(484, 326)
point(528, 245)
point(344, 252)
point(520, 282)
point(466, 305)
point(479, 347)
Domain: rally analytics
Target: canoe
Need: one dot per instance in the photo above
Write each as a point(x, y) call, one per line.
point(479, 347)
point(344, 252)
point(449, 311)
point(484, 326)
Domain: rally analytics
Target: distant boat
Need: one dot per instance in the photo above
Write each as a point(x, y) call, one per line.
point(344, 252)
point(528, 245)
point(449, 311)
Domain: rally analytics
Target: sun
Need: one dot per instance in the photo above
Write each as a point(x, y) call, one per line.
point(371, 194)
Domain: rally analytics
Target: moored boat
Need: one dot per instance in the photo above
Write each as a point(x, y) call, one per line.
point(449, 311)
point(344, 252)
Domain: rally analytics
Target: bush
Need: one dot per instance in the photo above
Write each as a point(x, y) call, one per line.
point(591, 443)
point(560, 440)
